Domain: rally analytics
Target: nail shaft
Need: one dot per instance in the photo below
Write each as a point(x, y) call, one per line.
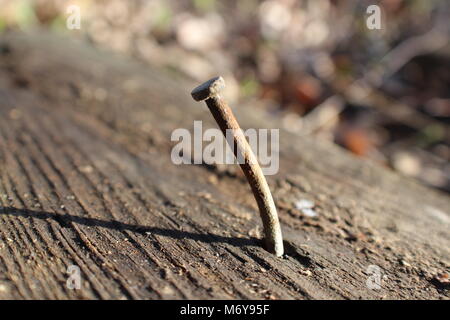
point(209, 91)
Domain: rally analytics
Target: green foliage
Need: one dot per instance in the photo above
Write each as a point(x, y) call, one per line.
point(2, 25)
point(58, 24)
point(249, 86)
point(163, 17)
point(204, 5)
point(24, 14)
point(431, 134)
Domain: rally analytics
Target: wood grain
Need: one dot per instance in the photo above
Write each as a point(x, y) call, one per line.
point(86, 179)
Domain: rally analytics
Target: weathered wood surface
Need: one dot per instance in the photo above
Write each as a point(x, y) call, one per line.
point(86, 179)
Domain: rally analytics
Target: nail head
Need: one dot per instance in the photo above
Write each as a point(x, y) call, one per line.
point(208, 89)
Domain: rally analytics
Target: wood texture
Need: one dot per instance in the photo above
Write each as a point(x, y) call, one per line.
point(86, 179)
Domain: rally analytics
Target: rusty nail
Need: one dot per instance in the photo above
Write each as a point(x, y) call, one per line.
point(209, 91)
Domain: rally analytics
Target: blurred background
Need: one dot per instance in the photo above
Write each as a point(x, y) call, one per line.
point(382, 94)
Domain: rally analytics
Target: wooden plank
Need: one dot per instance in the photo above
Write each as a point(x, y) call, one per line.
point(86, 179)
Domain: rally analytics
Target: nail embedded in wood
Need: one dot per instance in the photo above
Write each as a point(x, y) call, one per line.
point(209, 92)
